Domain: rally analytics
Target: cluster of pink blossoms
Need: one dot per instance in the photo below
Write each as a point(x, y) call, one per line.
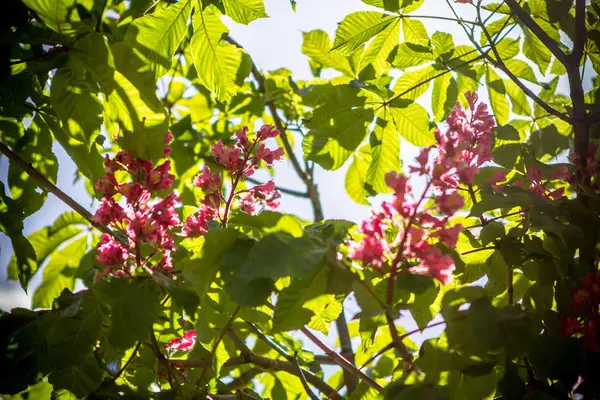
point(142, 221)
point(585, 302)
point(241, 161)
point(460, 152)
point(534, 182)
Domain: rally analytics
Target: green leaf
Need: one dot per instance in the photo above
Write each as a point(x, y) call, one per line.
point(317, 45)
point(137, 110)
point(511, 385)
point(444, 96)
point(181, 294)
point(521, 70)
point(202, 267)
point(280, 254)
point(134, 308)
point(307, 301)
point(485, 322)
point(413, 84)
point(76, 103)
point(414, 31)
point(35, 148)
point(411, 55)
point(378, 51)
point(412, 122)
point(443, 44)
point(266, 222)
point(59, 15)
point(536, 51)
point(517, 198)
point(355, 176)
point(155, 37)
point(244, 11)
point(518, 99)
point(385, 155)
point(359, 27)
point(59, 273)
point(221, 67)
point(497, 93)
point(81, 380)
point(491, 231)
point(44, 242)
point(508, 48)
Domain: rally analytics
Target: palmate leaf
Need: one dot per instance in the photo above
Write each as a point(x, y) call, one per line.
point(59, 273)
point(244, 11)
point(76, 103)
point(385, 155)
point(221, 67)
point(395, 5)
point(357, 28)
point(156, 36)
point(136, 110)
point(411, 55)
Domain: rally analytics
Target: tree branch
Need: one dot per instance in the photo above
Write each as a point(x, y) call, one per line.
point(537, 30)
point(50, 187)
point(341, 361)
point(242, 380)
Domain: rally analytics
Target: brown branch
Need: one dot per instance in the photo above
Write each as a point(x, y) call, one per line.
point(537, 30)
point(242, 380)
point(50, 187)
point(341, 361)
point(476, 250)
point(51, 52)
point(239, 395)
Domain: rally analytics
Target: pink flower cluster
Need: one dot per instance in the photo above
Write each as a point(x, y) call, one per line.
point(417, 230)
point(591, 165)
point(534, 182)
point(586, 305)
point(142, 220)
point(184, 343)
point(241, 161)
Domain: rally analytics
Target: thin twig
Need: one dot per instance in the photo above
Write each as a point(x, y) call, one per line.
point(291, 192)
point(242, 380)
point(129, 360)
point(302, 377)
point(476, 250)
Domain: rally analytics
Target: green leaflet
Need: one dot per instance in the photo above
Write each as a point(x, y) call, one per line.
point(59, 273)
point(156, 36)
point(307, 301)
point(134, 308)
point(355, 176)
point(357, 28)
point(317, 45)
point(245, 11)
point(412, 122)
point(34, 148)
point(378, 51)
point(444, 96)
point(81, 380)
point(414, 83)
point(414, 31)
point(136, 110)
point(221, 67)
point(497, 93)
point(60, 16)
point(44, 242)
point(385, 156)
point(76, 103)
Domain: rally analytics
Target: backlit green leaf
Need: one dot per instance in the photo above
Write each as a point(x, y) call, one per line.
point(359, 27)
point(245, 11)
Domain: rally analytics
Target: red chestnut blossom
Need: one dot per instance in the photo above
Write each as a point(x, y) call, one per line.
point(141, 221)
point(241, 161)
point(460, 152)
point(585, 302)
point(184, 343)
point(498, 177)
point(110, 252)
